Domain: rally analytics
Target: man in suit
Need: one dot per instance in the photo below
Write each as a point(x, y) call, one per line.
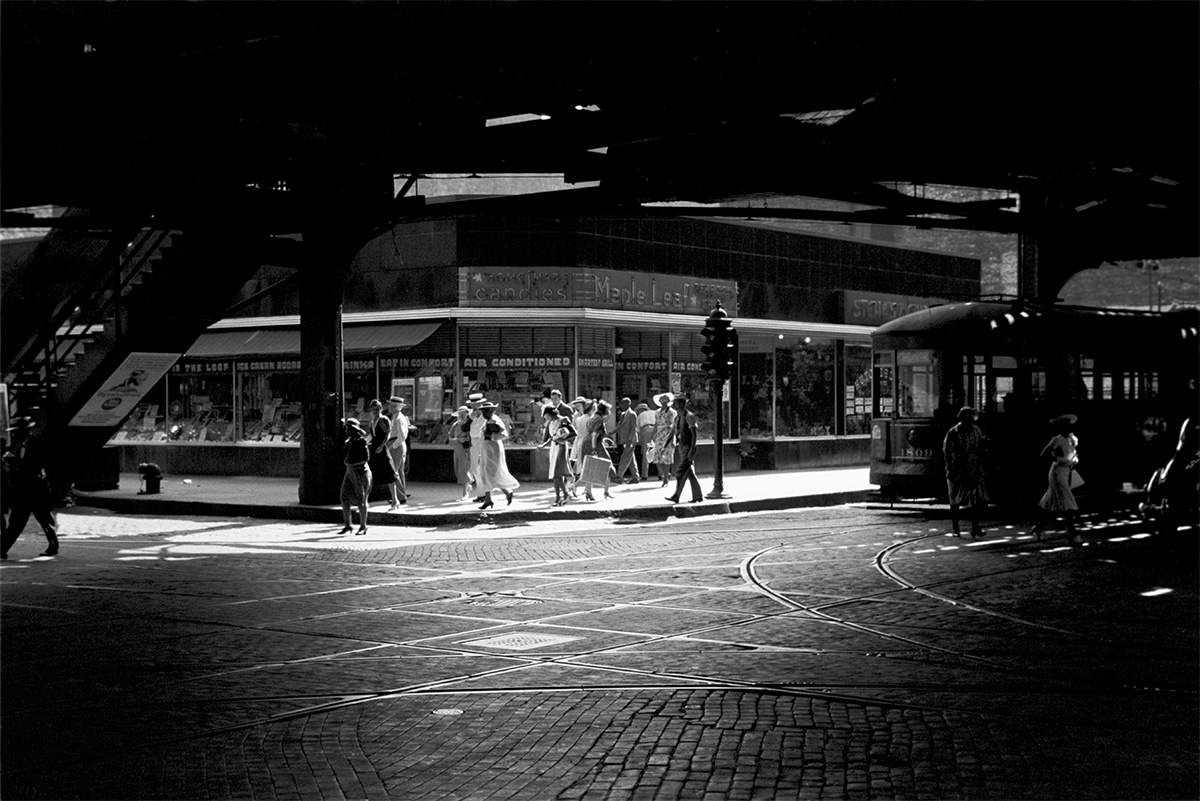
point(686, 435)
point(627, 441)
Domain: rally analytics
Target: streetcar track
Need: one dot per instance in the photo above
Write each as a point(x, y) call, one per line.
point(584, 660)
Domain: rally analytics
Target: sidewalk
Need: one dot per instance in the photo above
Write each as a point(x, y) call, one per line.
point(438, 504)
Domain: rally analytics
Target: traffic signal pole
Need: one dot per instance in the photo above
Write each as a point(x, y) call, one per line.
point(718, 490)
point(720, 349)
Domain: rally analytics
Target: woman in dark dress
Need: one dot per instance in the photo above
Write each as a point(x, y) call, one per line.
point(594, 444)
point(383, 469)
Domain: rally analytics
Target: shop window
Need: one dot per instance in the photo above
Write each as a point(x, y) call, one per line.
point(804, 387)
point(756, 398)
point(857, 395)
point(360, 385)
point(516, 374)
point(270, 403)
point(689, 379)
point(597, 354)
point(192, 403)
point(884, 381)
point(427, 386)
point(917, 382)
point(641, 362)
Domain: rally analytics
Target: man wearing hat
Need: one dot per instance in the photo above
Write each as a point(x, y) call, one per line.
point(398, 445)
point(627, 441)
point(686, 436)
point(26, 489)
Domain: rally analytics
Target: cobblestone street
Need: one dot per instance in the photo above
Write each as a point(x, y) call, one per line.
point(844, 652)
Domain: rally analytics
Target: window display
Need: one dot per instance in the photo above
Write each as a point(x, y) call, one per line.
point(804, 404)
point(757, 398)
point(427, 387)
point(270, 406)
point(857, 378)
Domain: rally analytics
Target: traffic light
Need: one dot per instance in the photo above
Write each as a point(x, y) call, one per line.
point(720, 345)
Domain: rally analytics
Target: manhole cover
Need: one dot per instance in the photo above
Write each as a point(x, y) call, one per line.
point(521, 642)
point(502, 602)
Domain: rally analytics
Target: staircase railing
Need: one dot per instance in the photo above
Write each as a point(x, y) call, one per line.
point(97, 304)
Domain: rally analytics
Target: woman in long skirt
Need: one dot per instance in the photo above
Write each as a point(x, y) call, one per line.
point(664, 437)
point(459, 435)
point(583, 412)
point(964, 449)
point(559, 436)
point(383, 466)
point(493, 467)
point(1059, 500)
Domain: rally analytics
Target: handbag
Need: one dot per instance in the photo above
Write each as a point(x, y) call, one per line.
point(595, 470)
point(1076, 479)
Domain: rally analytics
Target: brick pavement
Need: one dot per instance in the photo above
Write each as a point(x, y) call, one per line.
point(204, 658)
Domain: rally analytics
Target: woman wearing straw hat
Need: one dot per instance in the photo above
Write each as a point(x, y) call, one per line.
point(460, 439)
point(493, 466)
point(356, 483)
point(664, 437)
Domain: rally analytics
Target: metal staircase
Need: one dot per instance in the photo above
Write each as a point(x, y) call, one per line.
point(84, 302)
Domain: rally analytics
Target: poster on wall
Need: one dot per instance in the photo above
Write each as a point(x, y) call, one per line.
point(429, 397)
point(406, 389)
point(124, 389)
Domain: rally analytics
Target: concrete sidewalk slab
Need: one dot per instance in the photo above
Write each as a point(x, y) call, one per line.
point(434, 504)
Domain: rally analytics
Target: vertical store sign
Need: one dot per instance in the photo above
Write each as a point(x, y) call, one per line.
point(124, 389)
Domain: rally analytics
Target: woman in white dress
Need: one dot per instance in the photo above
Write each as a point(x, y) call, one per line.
point(1059, 500)
point(493, 467)
point(583, 412)
point(459, 436)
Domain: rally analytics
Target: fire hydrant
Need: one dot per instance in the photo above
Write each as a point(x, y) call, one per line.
point(151, 479)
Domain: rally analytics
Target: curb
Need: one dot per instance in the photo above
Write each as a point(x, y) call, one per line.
point(322, 514)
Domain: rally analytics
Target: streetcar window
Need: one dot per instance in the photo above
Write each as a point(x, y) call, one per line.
point(917, 380)
point(1087, 375)
point(974, 380)
point(1037, 386)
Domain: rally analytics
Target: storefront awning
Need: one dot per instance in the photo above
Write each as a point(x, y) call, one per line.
point(361, 338)
point(246, 342)
point(286, 341)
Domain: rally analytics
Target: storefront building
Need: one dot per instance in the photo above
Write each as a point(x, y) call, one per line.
point(436, 311)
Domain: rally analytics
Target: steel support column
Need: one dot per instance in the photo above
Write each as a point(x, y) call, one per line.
point(342, 213)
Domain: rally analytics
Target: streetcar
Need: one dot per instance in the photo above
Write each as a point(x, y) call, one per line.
point(1129, 377)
